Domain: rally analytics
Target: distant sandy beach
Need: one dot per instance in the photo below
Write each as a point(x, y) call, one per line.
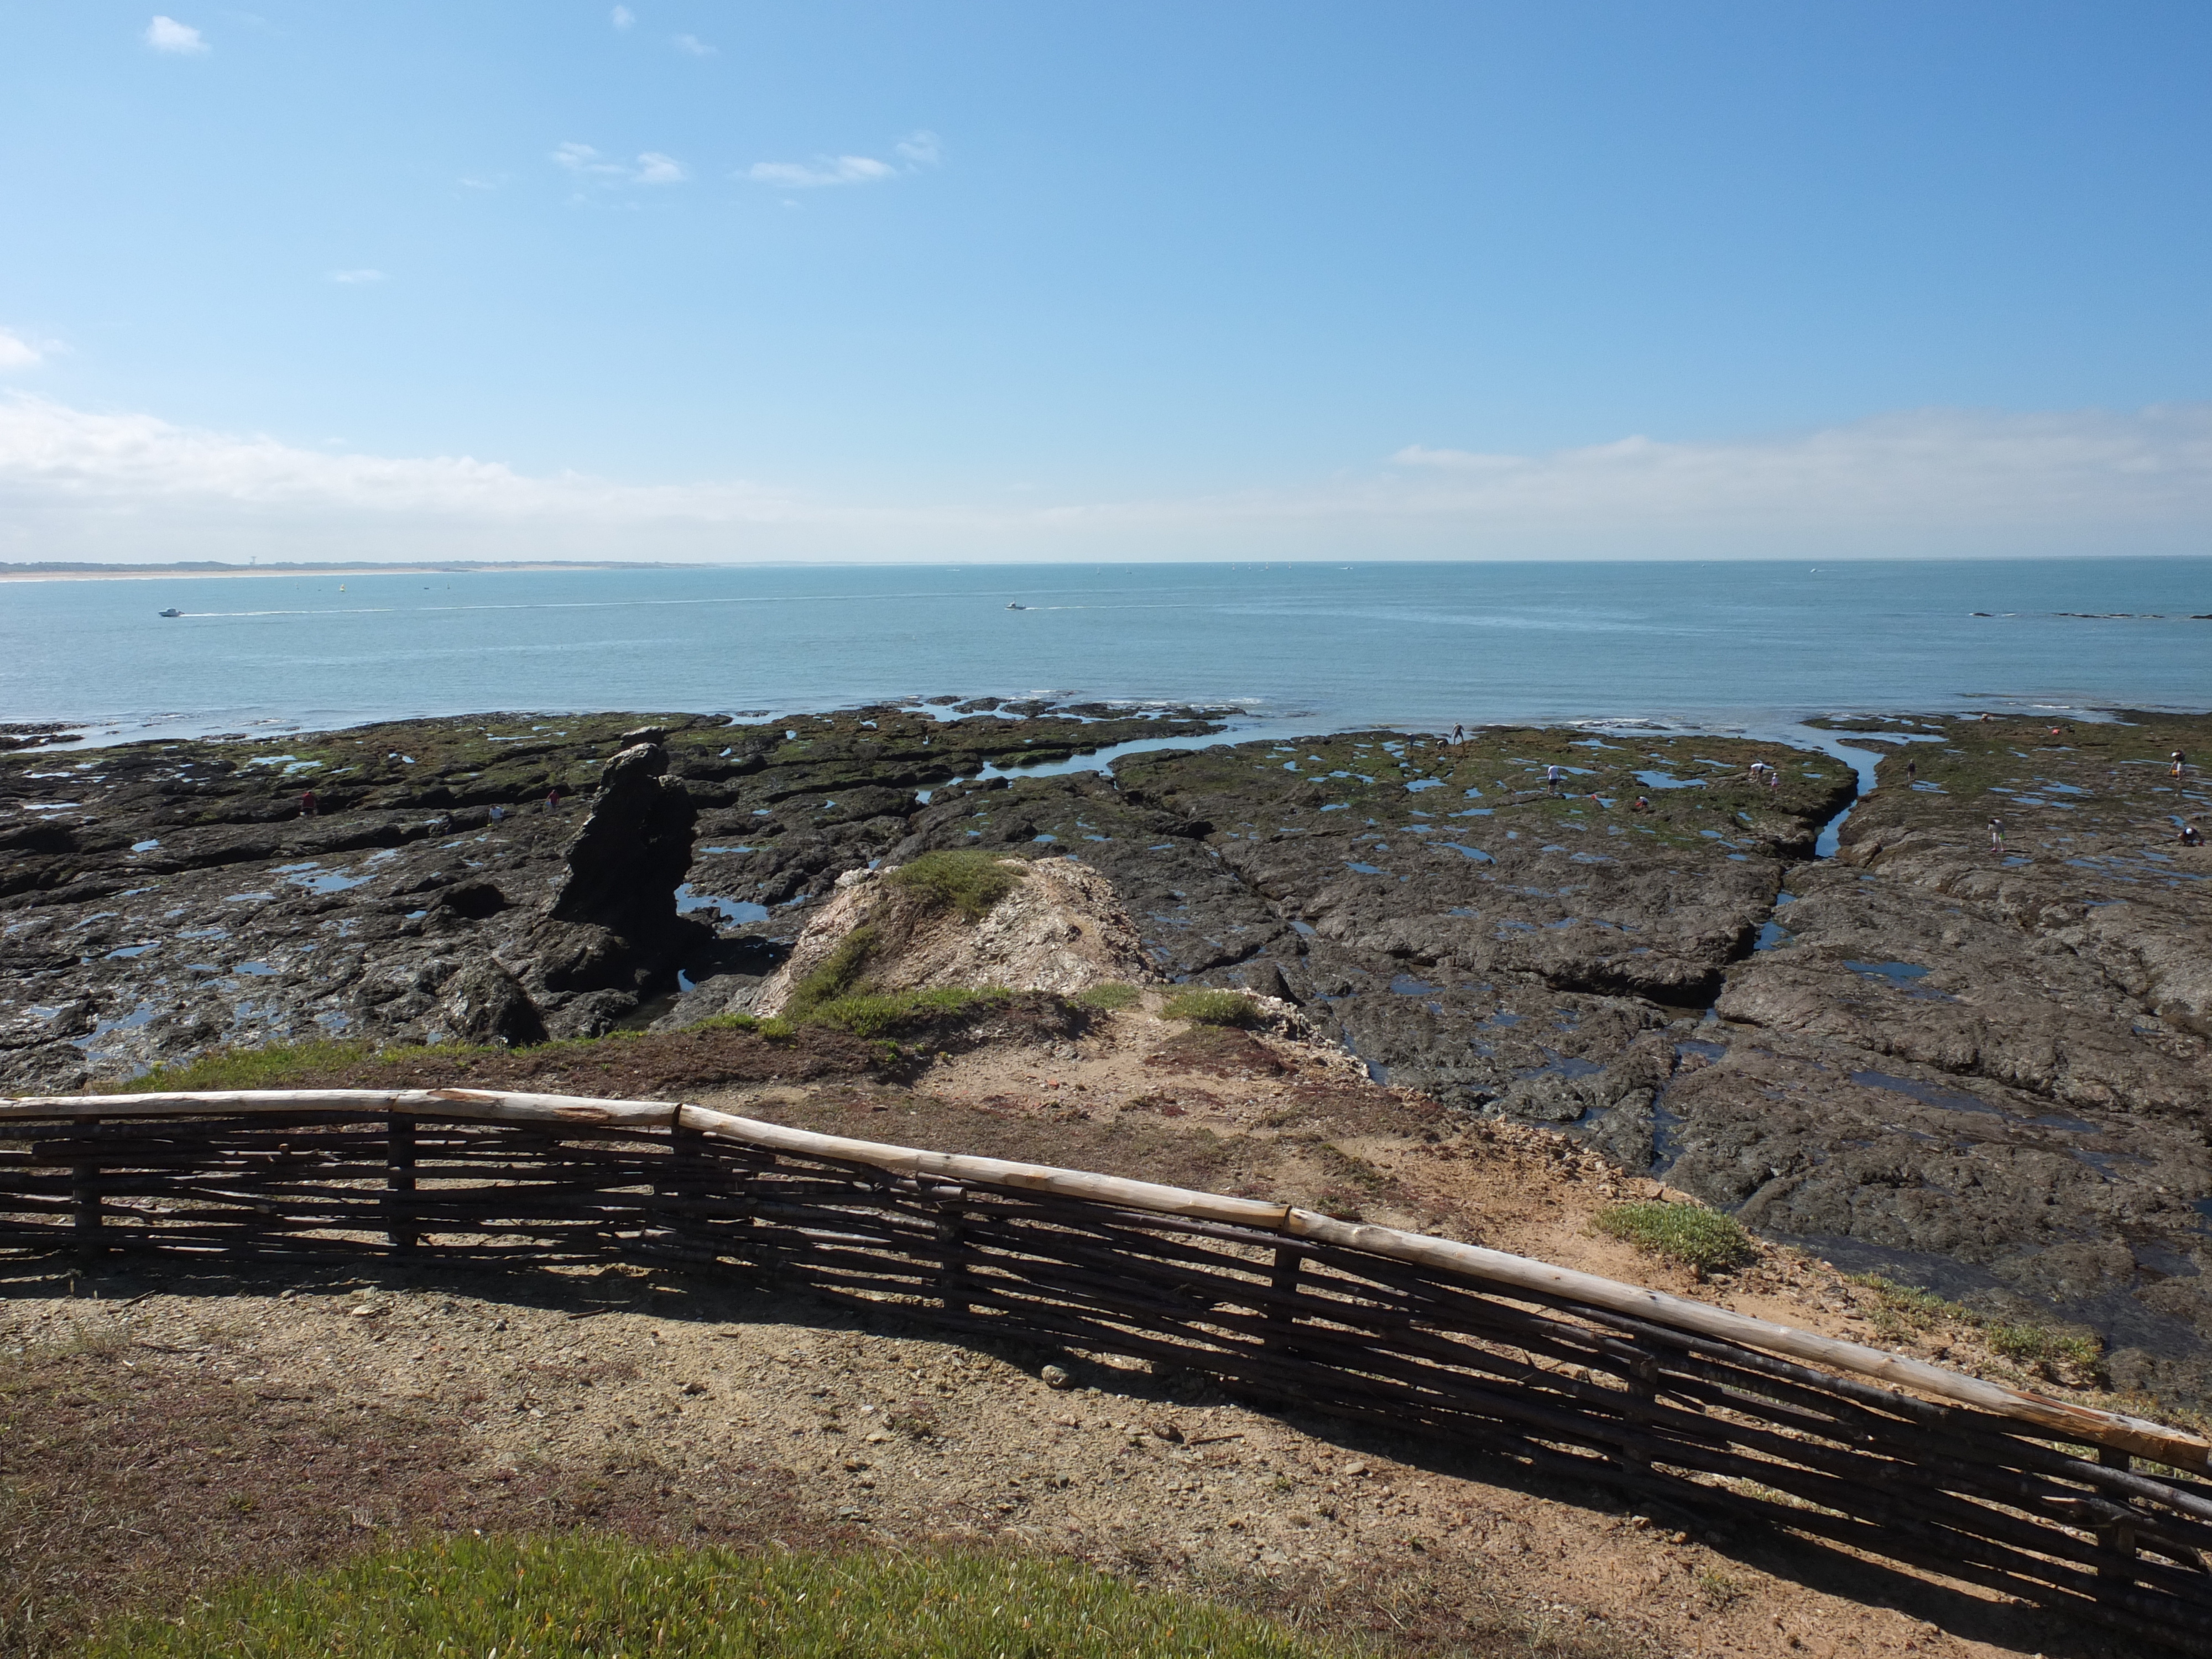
point(160, 572)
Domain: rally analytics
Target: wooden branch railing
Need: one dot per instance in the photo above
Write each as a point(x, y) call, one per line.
point(1572, 1375)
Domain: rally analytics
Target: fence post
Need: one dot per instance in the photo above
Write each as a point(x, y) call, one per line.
point(400, 1181)
point(1284, 1280)
point(2115, 1574)
point(84, 1192)
point(952, 1278)
point(684, 1184)
point(1642, 1378)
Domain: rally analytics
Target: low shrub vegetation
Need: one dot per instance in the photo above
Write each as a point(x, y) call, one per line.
point(1214, 1008)
point(1703, 1240)
point(2042, 1348)
point(966, 880)
point(1900, 1310)
point(582, 1595)
point(839, 975)
point(897, 1013)
point(1110, 995)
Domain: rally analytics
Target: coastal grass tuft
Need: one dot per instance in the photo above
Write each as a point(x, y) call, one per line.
point(1897, 1312)
point(965, 880)
point(275, 1066)
point(896, 1013)
point(2042, 1348)
point(1703, 1240)
point(1214, 1008)
point(571, 1596)
point(1111, 995)
point(839, 975)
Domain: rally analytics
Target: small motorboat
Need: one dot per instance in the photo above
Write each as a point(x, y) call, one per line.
point(172, 611)
point(1011, 605)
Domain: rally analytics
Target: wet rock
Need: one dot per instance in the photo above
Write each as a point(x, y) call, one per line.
point(632, 853)
point(484, 1004)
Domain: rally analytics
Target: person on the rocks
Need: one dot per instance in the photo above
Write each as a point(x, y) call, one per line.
point(1553, 777)
point(1912, 771)
point(1996, 835)
point(1642, 806)
point(2180, 760)
point(308, 808)
point(553, 799)
point(1459, 736)
point(2191, 834)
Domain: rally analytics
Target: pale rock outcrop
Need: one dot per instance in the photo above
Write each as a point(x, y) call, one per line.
point(1060, 929)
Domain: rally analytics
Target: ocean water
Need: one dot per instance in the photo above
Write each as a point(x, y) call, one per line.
point(1721, 645)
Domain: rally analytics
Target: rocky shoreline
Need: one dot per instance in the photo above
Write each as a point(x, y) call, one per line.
point(1984, 1072)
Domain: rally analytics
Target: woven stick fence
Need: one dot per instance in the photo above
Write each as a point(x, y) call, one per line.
point(1577, 1377)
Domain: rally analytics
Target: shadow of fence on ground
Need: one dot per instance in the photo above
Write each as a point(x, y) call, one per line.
point(1579, 1381)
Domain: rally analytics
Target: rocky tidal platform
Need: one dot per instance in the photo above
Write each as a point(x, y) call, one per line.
point(1982, 1071)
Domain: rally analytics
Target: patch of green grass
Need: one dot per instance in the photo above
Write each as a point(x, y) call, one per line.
point(1703, 1240)
point(965, 880)
point(1112, 994)
point(1898, 1310)
point(2038, 1346)
point(891, 1014)
point(271, 1068)
point(1214, 1008)
point(570, 1597)
point(840, 975)
point(768, 1027)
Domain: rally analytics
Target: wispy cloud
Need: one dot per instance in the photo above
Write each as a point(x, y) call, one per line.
point(825, 170)
point(350, 278)
point(692, 46)
point(80, 484)
point(922, 148)
point(167, 34)
point(16, 352)
point(917, 150)
point(622, 17)
point(651, 167)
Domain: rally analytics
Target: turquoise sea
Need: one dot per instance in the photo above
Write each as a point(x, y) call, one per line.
point(1750, 645)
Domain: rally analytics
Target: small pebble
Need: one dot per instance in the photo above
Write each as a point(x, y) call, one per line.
point(1054, 1377)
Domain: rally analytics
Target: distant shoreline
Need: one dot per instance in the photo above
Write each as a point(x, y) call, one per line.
point(145, 573)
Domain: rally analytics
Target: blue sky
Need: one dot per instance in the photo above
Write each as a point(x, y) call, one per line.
point(880, 281)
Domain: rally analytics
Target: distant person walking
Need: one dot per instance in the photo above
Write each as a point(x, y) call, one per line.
point(1996, 835)
point(1912, 771)
point(1459, 735)
point(553, 800)
point(309, 807)
point(2180, 760)
point(1553, 777)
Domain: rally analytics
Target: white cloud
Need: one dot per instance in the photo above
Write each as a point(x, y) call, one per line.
point(622, 17)
point(692, 45)
point(16, 352)
point(79, 485)
point(918, 150)
point(652, 168)
point(350, 278)
point(825, 170)
point(167, 34)
point(921, 147)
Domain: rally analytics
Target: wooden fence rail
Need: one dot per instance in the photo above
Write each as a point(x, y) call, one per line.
point(1580, 1377)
